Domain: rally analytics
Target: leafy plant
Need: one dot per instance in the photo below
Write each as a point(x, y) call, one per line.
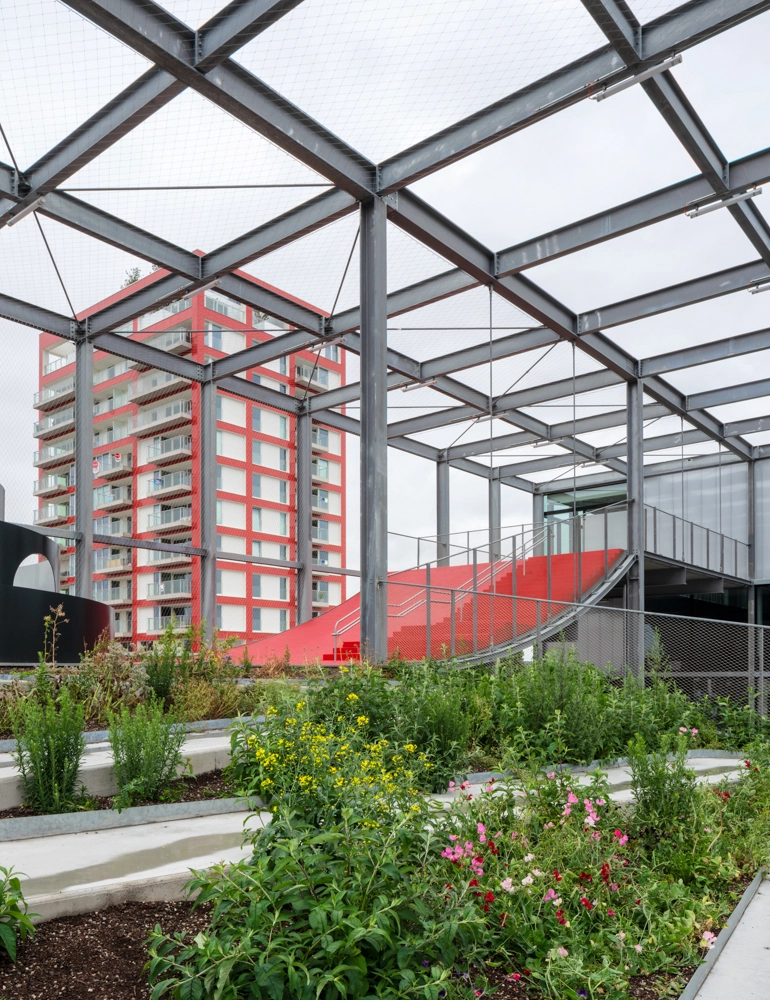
point(146, 747)
point(665, 791)
point(351, 912)
point(49, 748)
point(15, 921)
point(443, 729)
point(161, 662)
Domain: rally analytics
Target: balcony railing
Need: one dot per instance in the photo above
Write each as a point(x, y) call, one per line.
point(50, 485)
point(110, 496)
point(161, 518)
point(155, 385)
point(112, 434)
point(47, 396)
point(105, 374)
point(176, 341)
point(58, 363)
point(171, 481)
point(170, 588)
point(181, 622)
point(110, 404)
point(160, 556)
point(110, 563)
point(53, 512)
point(108, 594)
point(179, 411)
point(108, 465)
point(112, 526)
point(56, 420)
point(161, 449)
point(54, 454)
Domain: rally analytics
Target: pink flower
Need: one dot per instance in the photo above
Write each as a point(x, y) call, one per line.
point(527, 880)
point(638, 949)
point(551, 774)
point(601, 802)
point(453, 836)
point(480, 828)
point(451, 786)
point(536, 871)
point(621, 935)
point(694, 732)
point(563, 952)
point(515, 977)
point(614, 886)
point(596, 835)
point(547, 826)
point(513, 835)
point(610, 913)
point(621, 838)
point(708, 939)
point(551, 894)
point(572, 799)
point(529, 857)
point(507, 885)
point(683, 729)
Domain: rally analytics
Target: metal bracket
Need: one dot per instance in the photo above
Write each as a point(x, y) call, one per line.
point(391, 200)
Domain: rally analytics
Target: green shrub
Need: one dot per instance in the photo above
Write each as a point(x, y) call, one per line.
point(665, 789)
point(14, 920)
point(49, 747)
point(349, 913)
point(163, 663)
point(146, 748)
point(442, 730)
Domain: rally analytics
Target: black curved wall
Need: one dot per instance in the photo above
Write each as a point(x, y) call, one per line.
point(22, 609)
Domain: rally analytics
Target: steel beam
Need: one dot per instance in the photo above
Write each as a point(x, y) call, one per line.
point(304, 517)
point(635, 497)
point(729, 394)
point(208, 506)
point(84, 475)
point(374, 431)
point(146, 354)
point(495, 519)
point(703, 354)
point(38, 318)
point(654, 469)
point(442, 512)
point(753, 425)
point(236, 25)
point(674, 32)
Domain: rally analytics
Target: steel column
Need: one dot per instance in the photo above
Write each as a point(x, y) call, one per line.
point(538, 521)
point(374, 431)
point(304, 517)
point(495, 519)
point(442, 513)
point(208, 505)
point(635, 516)
point(84, 476)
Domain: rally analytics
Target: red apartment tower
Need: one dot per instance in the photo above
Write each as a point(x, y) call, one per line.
point(146, 472)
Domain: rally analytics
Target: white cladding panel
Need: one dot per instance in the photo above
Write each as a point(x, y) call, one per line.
point(233, 617)
point(232, 445)
point(233, 480)
point(233, 583)
point(233, 514)
point(233, 411)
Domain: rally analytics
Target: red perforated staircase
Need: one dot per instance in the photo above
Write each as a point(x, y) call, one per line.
point(499, 618)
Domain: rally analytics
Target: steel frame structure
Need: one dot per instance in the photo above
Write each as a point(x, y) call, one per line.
point(203, 61)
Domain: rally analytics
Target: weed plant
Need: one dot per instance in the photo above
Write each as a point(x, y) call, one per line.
point(15, 921)
point(49, 748)
point(146, 748)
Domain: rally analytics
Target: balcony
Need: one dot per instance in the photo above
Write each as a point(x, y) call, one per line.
point(163, 418)
point(58, 423)
point(54, 395)
point(116, 527)
point(51, 486)
point(109, 435)
point(107, 594)
point(312, 377)
point(105, 561)
point(175, 342)
point(181, 587)
point(111, 403)
point(157, 625)
point(320, 596)
point(168, 558)
point(123, 629)
point(319, 470)
point(175, 449)
point(113, 371)
point(171, 484)
point(320, 439)
point(53, 455)
point(320, 501)
point(66, 568)
point(173, 519)
point(53, 513)
point(108, 466)
point(58, 362)
point(156, 386)
point(112, 497)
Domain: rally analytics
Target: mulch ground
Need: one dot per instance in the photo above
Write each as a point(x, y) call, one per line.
point(211, 785)
point(95, 956)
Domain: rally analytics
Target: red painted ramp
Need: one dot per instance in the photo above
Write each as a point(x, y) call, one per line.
point(443, 622)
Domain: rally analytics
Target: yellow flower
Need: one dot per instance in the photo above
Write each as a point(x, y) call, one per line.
point(352, 696)
point(271, 711)
point(410, 747)
point(301, 705)
point(362, 720)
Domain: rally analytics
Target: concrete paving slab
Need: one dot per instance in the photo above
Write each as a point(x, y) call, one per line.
point(742, 971)
point(104, 857)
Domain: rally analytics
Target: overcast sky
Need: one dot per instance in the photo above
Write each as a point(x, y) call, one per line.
point(382, 75)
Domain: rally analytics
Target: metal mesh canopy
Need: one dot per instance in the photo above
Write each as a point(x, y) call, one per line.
point(565, 198)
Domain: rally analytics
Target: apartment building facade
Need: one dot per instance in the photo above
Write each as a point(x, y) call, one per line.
point(146, 474)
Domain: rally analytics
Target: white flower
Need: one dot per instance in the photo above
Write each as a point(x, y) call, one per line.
point(527, 880)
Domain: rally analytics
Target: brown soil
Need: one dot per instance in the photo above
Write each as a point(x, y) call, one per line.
point(211, 785)
point(96, 956)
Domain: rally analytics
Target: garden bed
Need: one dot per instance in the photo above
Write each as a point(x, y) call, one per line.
point(196, 788)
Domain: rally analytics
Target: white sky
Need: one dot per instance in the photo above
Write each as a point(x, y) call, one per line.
point(383, 74)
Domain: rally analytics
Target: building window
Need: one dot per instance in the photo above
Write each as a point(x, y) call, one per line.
point(283, 426)
point(332, 352)
point(283, 552)
point(219, 477)
point(320, 499)
point(256, 418)
point(220, 543)
point(219, 581)
point(320, 557)
point(283, 524)
point(283, 366)
point(282, 387)
point(256, 453)
point(256, 485)
point(256, 585)
point(220, 443)
point(256, 518)
point(320, 468)
point(256, 379)
point(320, 529)
point(321, 591)
point(219, 407)
point(321, 437)
point(256, 619)
point(283, 588)
point(283, 491)
point(283, 620)
point(213, 336)
point(283, 459)
point(220, 513)
point(219, 616)
point(256, 548)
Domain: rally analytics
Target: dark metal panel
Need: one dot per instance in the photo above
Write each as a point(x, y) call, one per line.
point(235, 25)
point(146, 354)
point(38, 318)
